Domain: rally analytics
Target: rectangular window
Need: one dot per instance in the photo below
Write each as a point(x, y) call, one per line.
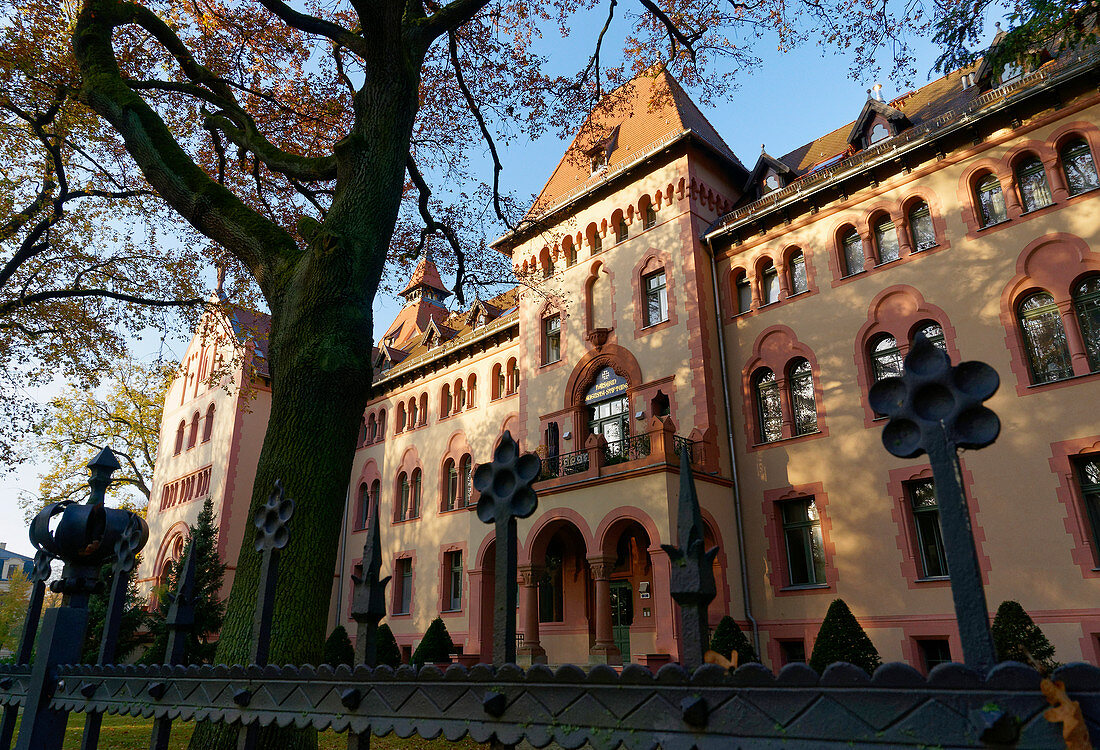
point(805, 547)
point(1088, 474)
point(933, 652)
point(452, 584)
point(551, 339)
point(403, 576)
point(792, 652)
point(656, 298)
point(926, 520)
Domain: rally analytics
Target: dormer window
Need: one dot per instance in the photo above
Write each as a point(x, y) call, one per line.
point(1010, 73)
point(771, 182)
point(878, 133)
point(481, 320)
point(599, 159)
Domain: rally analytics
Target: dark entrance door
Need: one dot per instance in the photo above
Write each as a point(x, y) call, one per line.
point(622, 615)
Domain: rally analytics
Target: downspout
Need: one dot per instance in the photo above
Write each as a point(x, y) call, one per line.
point(733, 454)
point(340, 571)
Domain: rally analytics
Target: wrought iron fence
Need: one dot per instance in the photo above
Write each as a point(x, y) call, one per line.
point(565, 464)
point(628, 449)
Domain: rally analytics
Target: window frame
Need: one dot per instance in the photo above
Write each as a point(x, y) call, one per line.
point(797, 259)
point(551, 339)
point(853, 239)
point(817, 575)
point(803, 427)
point(925, 570)
point(452, 580)
point(989, 183)
point(403, 589)
point(921, 206)
point(1084, 303)
point(1031, 170)
point(883, 229)
point(660, 291)
point(742, 285)
point(767, 396)
point(649, 217)
point(771, 291)
point(1048, 310)
point(1081, 143)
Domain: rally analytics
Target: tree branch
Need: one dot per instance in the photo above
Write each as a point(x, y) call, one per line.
point(674, 33)
point(318, 26)
point(433, 226)
point(451, 16)
point(33, 299)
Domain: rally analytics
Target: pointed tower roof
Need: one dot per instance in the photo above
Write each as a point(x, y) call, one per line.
point(649, 110)
point(424, 302)
point(425, 275)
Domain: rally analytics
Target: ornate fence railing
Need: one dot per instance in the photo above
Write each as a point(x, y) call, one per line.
point(565, 464)
point(628, 449)
point(687, 705)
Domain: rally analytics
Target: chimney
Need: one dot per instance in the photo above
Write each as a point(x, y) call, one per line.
point(3, 545)
point(878, 91)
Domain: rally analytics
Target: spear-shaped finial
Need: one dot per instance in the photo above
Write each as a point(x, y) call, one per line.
point(102, 467)
point(368, 601)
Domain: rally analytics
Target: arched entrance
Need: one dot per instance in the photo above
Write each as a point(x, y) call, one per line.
point(486, 586)
point(631, 577)
point(556, 596)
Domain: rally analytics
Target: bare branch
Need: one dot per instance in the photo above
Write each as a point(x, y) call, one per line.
point(318, 26)
point(433, 226)
point(675, 34)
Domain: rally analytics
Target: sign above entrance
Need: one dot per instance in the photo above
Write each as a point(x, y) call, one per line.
point(608, 384)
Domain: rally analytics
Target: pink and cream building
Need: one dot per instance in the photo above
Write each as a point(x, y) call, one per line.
point(676, 296)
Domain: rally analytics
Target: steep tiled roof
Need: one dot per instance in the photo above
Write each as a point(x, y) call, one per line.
point(639, 113)
point(251, 325)
point(426, 274)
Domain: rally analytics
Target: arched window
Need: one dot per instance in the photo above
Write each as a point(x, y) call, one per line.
point(403, 496)
point(208, 425)
point(193, 435)
point(400, 417)
point(1031, 179)
point(466, 475)
point(886, 359)
point(852, 252)
point(381, 425)
point(450, 490)
point(650, 217)
point(513, 376)
point(921, 230)
point(364, 431)
point(769, 408)
point(886, 240)
point(596, 242)
point(1086, 303)
point(497, 381)
point(622, 231)
point(460, 396)
point(769, 284)
point(423, 408)
point(471, 391)
point(412, 413)
point(363, 508)
point(796, 273)
point(1045, 338)
point(800, 377)
point(569, 250)
point(1079, 167)
point(414, 500)
point(371, 501)
point(743, 291)
point(932, 331)
point(990, 200)
point(372, 429)
point(179, 436)
point(445, 401)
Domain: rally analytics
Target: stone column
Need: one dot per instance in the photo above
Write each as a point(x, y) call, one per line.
point(604, 650)
point(531, 652)
point(1012, 198)
point(786, 408)
point(1059, 190)
point(870, 256)
point(905, 244)
point(1074, 341)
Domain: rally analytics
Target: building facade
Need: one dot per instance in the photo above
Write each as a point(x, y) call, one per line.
point(675, 298)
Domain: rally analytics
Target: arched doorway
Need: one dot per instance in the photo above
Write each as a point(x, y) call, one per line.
point(632, 621)
point(556, 597)
point(487, 591)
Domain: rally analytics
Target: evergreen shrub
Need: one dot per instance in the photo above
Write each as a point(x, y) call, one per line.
point(841, 638)
point(386, 647)
point(338, 648)
point(728, 638)
point(1016, 636)
point(435, 646)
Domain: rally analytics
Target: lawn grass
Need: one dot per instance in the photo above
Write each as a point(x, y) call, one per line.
point(129, 733)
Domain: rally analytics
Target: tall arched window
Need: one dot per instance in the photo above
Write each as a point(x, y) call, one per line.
point(471, 391)
point(921, 230)
point(381, 425)
point(460, 396)
point(400, 417)
point(886, 240)
point(179, 436)
point(1086, 303)
point(1031, 179)
point(412, 413)
point(1079, 167)
point(423, 408)
point(403, 496)
point(208, 425)
point(886, 359)
point(497, 381)
point(372, 429)
point(445, 401)
point(769, 284)
point(801, 379)
point(990, 200)
point(768, 405)
point(852, 252)
point(796, 272)
point(450, 490)
point(744, 293)
point(466, 475)
point(569, 251)
point(513, 376)
point(1045, 338)
point(414, 500)
point(363, 507)
point(193, 435)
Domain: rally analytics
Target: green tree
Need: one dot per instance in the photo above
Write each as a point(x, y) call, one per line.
point(132, 627)
point(435, 646)
point(1016, 637)
point(209, 607)
point(386, 645)
point(728, 638)
point(338, 648)
point(78, 424)
point(13, 609)
point(841, 638)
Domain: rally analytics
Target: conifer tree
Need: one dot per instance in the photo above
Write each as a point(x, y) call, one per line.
point(436, 645)
point(841, 638)
point(728, 638)
point(1016, 637)
point(209, 608)
point(131, 629)
point(338, 648)
point(13, 609)
point(387, 651)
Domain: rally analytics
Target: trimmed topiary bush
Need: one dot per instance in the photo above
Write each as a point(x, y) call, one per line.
point(1016, 636)
point(435, 646)
point(386, 647)
point(728, 638)
point(841, 638)
point(338, 649)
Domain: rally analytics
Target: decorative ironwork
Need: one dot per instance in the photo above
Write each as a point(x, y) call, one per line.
point(692, 584)
point(180, 620)
point(937, 408)
point(628, 449)
point(565, 464)
point(506, 494)
point(40, 573)
point(368, 600)
point(680, 443)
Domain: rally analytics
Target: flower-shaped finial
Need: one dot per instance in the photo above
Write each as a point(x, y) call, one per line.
point(271, 520)
point(505, 484)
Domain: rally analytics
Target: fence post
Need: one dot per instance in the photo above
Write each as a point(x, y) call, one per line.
point(39, 575)
point(368, 607)
point(180, 620)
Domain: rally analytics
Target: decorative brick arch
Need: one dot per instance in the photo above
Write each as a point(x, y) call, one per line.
point(457, 447)
point(604, 542)
point(895, 311)
point(1052, 263)
point(652, 261)
point(410, 461)
point(921, 192)
point(534, 545)
point(585, 371)
point(966, 197)
point(175, 531)
point(775, 348)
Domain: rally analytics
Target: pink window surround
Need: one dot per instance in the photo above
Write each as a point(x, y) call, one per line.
point(395, 595)
point(928, 627)
point(1082, 549)
point(367, 476)
point(1053, 263)
point(549, 309)
point(458, 450)
point(410, 463)
point(896, 311)
point(444, 580)
point(653, 261)
point(752, 269)
point(776, 550)
point(906, 538)
point(776, 348)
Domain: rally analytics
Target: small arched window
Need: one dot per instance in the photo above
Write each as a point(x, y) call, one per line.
point(412, 413)
point(467, 480)
point(400, 417)
point(460, 396)
point(921, 230)
point(932, 331)
point(372, 501)
point(423, 409)
point(445, 401)
point(650, 216)
point(852, 252)
point(364, 507)
point(886, 240)
point(769, 284)
point(769, 408)
point(403, 499)
point(744, 293)
point(208, 425)
point(513, 376)
point(450, 490)
point(372, 429)
point(622, 231)
point(801, 379)
point(381, 426)
point(471, 391)
point(498, 381)
point(1031, 179)
point(796, 272)
point(1079, 167)
point(1045, 338)
point(596, 242)
point(179, 436)
point(991, 201)
point(414, 500)
point(886, 359)
point(193, 435)
point(1086, 303)
point(569, 250)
